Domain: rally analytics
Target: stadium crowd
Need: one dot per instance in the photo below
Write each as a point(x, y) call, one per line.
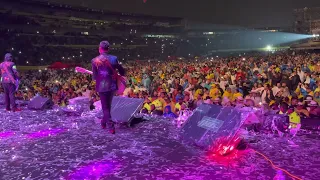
point(274, 80)
point(47, 48)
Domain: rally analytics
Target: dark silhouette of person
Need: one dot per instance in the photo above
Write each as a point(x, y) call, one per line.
point(9, 77)
point(104, 73)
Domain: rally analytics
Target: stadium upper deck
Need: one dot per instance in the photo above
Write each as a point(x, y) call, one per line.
point(63, 17)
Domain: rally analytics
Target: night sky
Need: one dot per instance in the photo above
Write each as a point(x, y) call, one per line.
point(247, 13)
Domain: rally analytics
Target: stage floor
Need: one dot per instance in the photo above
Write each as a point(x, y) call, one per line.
point(54, 145)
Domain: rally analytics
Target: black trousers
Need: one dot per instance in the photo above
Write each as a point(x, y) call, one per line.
point(9, 90)
point(106, 100)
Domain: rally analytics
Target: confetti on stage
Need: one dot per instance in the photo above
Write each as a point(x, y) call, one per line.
point(48, 145)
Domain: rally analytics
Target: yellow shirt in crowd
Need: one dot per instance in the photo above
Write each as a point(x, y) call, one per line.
point(177, 106)
point(236, 95)
point(294, 119)
point(227, 94)
point(158, 105)
point(147, 106)
point(214, 93)
point(210, 76)
point(197, 93)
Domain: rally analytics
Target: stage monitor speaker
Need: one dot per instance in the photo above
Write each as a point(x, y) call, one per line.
point(123, 108)
point(211, 122)
point(40, 103)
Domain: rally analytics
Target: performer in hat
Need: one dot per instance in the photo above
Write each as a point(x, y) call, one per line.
point(9, 77)
point(103, 68)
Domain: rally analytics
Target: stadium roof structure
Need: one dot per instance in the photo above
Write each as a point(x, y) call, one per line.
point(193, 25)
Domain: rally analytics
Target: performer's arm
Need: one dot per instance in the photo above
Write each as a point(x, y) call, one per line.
point(94, 70)
point(15, 72)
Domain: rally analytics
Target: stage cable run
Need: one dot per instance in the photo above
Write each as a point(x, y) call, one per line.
point(276, 167)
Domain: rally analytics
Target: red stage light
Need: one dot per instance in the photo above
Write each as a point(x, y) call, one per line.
point(224, 151)
point(224, 146)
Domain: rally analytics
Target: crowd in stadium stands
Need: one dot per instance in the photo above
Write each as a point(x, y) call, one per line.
point(44, 49)
point(276, 81)
point(56, 18)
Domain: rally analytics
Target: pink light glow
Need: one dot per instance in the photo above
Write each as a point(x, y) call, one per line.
point(225, 153)
point(44, 133)
point(5, 135)
point(95, 170)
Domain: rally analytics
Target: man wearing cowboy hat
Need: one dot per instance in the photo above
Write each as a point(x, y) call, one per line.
point(9, 76)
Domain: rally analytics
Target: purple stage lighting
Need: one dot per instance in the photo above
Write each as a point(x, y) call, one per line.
point(45, 133)
point(94, 170)
point(5, 135)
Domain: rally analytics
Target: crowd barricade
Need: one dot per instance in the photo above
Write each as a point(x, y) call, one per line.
point(258, 119)
point(310, 123)
point(271, 120)
point(28, 68)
